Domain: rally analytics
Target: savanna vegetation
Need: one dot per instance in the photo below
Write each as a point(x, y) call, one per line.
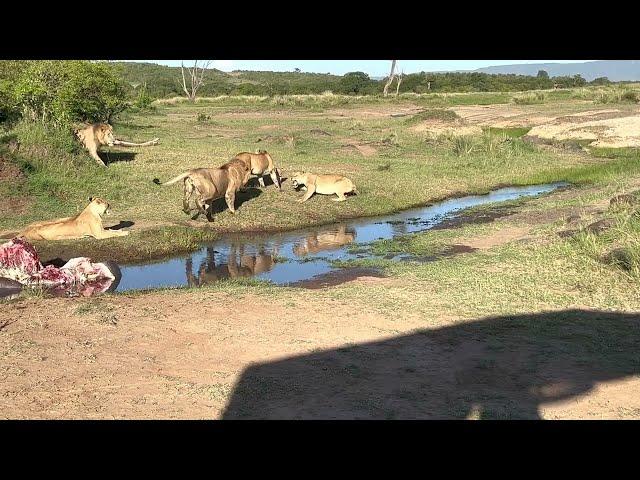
point(548, 267)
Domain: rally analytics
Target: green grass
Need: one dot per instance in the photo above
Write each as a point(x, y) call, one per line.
point(529, 98)
point(136, 247)
point(406, 170)
point(600, 152)
point(513, 132)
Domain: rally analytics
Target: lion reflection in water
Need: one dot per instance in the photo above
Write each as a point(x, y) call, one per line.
point(239, 265)
point(327, 240)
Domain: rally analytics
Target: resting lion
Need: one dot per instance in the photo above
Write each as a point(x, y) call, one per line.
point(323, 184)
point(97, 135)
point(209, 184)
point(86, 223)
point(260, 164)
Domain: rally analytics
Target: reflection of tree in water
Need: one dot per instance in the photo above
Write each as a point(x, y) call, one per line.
point(318, 241)
point(238, 265)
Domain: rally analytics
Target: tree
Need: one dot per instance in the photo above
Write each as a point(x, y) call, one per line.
point(600, 81)
point(297, 70)
point(63, 92)
point(400, 77)
point(542, 74)
point(391, 77)
point(354, 82)
point(578, 81)
point(197, 79)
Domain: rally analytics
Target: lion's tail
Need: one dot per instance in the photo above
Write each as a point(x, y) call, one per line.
point(182, 176)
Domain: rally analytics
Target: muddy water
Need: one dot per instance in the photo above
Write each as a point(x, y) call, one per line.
point(302, 255)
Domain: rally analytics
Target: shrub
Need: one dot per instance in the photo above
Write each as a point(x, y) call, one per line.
point(529, 98)
point(433, 114)
point(630, 96)
point(64, 92)
point(143, 101)
point(203, 117)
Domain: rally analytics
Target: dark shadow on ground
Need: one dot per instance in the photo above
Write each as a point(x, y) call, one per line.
point(122, 224)
point(253, 182)
point(337, 277)
point(498, 368)
point(219, 205)
point(113, 157)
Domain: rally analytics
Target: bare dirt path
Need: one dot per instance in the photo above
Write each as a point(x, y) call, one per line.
point(209, 355)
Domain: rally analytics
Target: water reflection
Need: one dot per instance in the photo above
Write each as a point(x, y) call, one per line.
point(318, 241)
point(238, 264)
point(289, 257)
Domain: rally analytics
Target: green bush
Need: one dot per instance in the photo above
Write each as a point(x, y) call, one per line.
point(437, 114)
point(143, 101)
point(64, 92)
point(203, 118)
point(529, 98)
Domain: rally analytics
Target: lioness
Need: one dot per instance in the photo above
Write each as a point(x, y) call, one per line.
point(96, 135)
point(323, 184)
point(209, 184)
point(86, 223)
point(326, 240)
point(260, 164)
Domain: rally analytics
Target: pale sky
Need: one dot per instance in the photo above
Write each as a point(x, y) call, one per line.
point(375, 68)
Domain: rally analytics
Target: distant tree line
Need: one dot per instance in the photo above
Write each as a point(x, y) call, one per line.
point(164, 82)
point(71, 91)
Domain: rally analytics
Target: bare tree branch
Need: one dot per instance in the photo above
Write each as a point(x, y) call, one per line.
point(197, 79)
point(184, 83)
point(391, 77)
point(400, 77)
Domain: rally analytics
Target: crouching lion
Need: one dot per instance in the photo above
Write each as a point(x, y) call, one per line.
point(97, 135)
point(209, 184)
point(86, 223)
point(323, 184)
point(261, 164)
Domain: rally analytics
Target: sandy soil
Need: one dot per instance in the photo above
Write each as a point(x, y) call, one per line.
point(612, 132)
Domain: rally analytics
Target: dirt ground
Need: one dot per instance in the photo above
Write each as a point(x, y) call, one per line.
point(207, 354)
point(314, 352)
point(203, 355)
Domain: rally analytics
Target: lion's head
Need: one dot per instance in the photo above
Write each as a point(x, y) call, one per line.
point(105, 134)
point(298, 179)
point(99, 206)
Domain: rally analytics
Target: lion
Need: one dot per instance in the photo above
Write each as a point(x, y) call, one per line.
point(210, 272)
point(209, 184)
point(327, 240)
point(97, 135)
point(261, 164)
point(87, 223)
point(323, 184)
